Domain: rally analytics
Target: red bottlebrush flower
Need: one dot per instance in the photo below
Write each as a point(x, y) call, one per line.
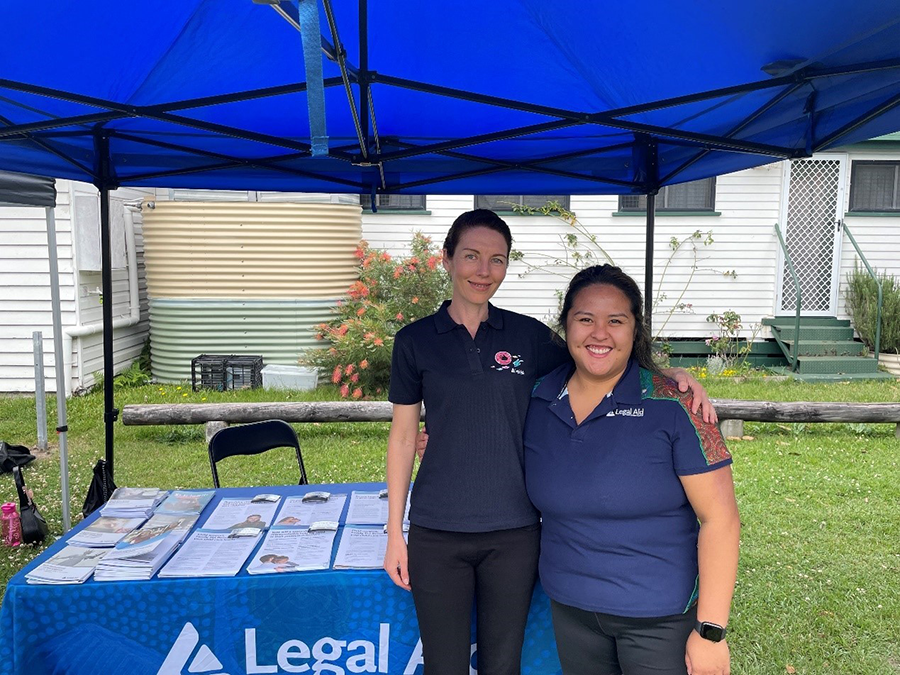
point(432, 262)
point(414, 260)
point(345, 390)
point(360, 311)
point(360, 253)
point(415, 300)
point(378, 342)
point(349, 369)
point(357, 393)
point(354, 378)
point(398, 270)
point(385, 256)
point(336, 375)
point(332, 351)
point(364, 364)
point(399, 316)
point(368, 336)
point(342, 330)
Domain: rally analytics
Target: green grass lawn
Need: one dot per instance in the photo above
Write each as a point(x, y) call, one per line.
point(819, 585)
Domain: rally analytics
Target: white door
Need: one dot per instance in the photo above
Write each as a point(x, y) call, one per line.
point(811, 221)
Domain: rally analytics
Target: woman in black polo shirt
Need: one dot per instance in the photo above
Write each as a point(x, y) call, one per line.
point(473, 530)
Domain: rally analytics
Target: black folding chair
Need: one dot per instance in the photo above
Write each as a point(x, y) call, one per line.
point(252, 439)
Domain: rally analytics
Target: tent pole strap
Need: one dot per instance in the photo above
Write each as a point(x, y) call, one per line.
point(648, 264)
point(61, 423)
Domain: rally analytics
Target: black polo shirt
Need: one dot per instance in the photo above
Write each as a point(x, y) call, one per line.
point(476, 393)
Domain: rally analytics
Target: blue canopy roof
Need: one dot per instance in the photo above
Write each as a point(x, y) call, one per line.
point(500, 97)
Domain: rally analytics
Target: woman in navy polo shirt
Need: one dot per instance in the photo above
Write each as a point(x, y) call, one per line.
point(474, 531)
point(621, 470)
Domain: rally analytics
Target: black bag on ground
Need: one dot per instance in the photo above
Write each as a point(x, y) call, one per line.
point(100, 489)
point(34, 527)
point(13, 455)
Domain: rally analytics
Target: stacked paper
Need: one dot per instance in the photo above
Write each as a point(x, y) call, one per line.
point(72, 565)
point(310, 508)
point(238, 514)
point(295, 549)
point(133, 502)
point(210, 553)
point(105, 532)
point(142, 552)
point(361, 548)
point(186, 501)
point(371, 508)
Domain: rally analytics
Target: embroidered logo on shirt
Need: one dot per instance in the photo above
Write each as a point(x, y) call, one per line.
point(626, 412)
point(510, 362)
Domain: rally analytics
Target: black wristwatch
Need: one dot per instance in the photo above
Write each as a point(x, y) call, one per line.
point(710, 631)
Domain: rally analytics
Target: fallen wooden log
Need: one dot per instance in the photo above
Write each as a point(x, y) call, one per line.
point(380, 411)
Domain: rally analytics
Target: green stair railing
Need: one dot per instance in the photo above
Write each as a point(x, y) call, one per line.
point(795, 359)
point(877, 286)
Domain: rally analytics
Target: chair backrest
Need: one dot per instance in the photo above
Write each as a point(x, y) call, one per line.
point(252, 439)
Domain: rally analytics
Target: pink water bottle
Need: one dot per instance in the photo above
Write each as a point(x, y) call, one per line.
point(11, 525)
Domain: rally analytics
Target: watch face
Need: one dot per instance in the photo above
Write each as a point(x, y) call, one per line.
point(711, 632)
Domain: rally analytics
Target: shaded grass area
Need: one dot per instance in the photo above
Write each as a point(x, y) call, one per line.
point(819, 586)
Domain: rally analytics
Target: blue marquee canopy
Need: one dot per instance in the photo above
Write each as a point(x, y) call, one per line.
point(507, 96)
point(497, 97)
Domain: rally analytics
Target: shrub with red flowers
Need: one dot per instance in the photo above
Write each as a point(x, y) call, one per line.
point(390, 293)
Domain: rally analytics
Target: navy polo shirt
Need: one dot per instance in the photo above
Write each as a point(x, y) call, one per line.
point(476, 393)
point(618, 534)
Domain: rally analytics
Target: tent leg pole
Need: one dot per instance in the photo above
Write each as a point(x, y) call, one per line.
point(58, 367)
point(110, 413)
point(648, 264)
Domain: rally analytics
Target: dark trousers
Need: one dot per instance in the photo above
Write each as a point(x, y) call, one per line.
point(602, 644)
point(447, 570)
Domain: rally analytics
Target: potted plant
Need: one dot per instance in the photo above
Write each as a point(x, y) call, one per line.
point(862, 304)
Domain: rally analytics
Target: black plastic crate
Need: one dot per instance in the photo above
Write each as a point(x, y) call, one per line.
point(224, 372)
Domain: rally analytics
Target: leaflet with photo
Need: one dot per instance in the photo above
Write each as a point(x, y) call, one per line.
point(186, 501)
point(139, 562)
point(210, 553)
point(301, 512)
point(371, 508)
point(235, 514)
point(105, 531)
point(182, 523)
point(293, 549)
point(153, 534)
point(362, 548)
point(72, 565)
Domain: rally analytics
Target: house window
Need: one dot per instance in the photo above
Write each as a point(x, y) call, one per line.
point(698, 195)
point(875, 186)
point(510, 202)
point(394, 202)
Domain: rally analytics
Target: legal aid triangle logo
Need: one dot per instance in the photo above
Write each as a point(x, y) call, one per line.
point(204, 661)
point(506, 361)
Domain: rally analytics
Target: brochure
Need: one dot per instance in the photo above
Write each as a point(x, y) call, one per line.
point(209, 553)
point(138, 560)
point(293, 550)
point(105, 531)
point(132, 502)
point(186, 501)
point(233, 514)
point(302, 511)
point(72, 565)
point(362, 548)
point(371, 508)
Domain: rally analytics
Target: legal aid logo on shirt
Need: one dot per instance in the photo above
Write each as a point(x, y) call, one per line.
point(511, 362)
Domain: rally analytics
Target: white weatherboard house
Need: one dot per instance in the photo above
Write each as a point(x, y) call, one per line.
point(815, 201)
point(25, 304)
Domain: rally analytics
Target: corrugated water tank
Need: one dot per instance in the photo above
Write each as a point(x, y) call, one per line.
point(243, 277)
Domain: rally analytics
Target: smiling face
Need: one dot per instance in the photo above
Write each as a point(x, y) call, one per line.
point(478, 265)
point(600, 332)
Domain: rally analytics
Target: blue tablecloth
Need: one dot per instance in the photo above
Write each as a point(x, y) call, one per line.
point(335, 621)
